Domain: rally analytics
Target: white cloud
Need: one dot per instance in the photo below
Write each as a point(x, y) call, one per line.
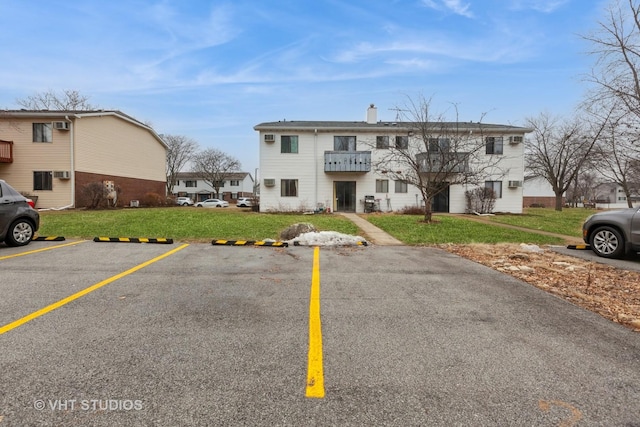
point(544, 6)
point(455, 6)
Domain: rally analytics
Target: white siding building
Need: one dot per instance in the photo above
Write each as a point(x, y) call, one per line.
point(190, 184)
point(306, 165)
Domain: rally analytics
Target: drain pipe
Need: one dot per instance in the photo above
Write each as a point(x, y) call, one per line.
point(72, 172)
point(315, 155)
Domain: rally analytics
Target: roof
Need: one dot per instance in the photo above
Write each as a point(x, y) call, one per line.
point(364, 126)
point(78, 114)
point(195, 175)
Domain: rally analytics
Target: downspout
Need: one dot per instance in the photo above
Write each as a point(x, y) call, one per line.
point(72, 172)
point(315, 154)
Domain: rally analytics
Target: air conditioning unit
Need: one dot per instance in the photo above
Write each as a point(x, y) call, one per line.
point(269, 182)
point(515, 140)
point(62, 174)
point(61, 125)
point(269, 137)
point(515, 184)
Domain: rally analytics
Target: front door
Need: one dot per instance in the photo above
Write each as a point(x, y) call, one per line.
point(345, 196)
point(441, 201)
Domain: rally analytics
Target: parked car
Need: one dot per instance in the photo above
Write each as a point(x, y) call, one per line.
point(613, 234)
point(18, 220)
point(184, 201)
point(244, 202)
point(213, 203)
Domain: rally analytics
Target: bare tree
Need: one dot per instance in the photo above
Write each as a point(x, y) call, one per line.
point(68, 100)
point(214, 166)
point(558, 148)
point(180, 151)
point(436, 153)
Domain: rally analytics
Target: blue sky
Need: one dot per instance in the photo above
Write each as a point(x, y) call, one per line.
point(211, 70)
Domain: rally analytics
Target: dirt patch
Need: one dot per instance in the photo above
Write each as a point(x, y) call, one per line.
point(611, 292)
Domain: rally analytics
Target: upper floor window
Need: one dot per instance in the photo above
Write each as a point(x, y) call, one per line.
point(289, 144)
point(382, 142)
point(42, 132)
point(439, 145)
point(218, 184)
point(191, 183)
point(43, 180)
point(289, 187)
point(493, 145)
point(402, 142)
point(344, 143)
point(234, 183)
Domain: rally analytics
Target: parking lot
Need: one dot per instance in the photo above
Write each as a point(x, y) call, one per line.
point(194, 334)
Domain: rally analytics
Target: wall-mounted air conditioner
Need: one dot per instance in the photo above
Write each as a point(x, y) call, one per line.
point(515, 140)
point(515, 184)
point(61, 125)
point(269, 137)
point(269, 182)
point(62, 174)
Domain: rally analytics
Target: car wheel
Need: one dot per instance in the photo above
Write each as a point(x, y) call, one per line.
point(20, 233)
point(607, 242)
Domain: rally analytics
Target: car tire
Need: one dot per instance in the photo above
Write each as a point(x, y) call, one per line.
point(607, 242)
point(20, 233)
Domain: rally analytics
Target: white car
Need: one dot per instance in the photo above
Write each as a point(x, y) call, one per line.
point(244, 202)
point(213, 203)
point(184, 201)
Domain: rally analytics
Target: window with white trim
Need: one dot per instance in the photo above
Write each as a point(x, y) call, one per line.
point(382, 185)
point(289, 188)
point(42, 132)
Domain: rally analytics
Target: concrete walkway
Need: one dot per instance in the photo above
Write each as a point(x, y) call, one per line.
point(372, 233)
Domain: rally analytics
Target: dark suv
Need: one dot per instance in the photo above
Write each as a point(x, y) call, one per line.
point(18, 220)
point(613, 234)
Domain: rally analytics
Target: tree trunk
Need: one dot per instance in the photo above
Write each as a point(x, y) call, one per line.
point(427, 210)
point(559, 202)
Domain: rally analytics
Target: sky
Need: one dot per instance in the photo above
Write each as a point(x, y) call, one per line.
point(212, 70)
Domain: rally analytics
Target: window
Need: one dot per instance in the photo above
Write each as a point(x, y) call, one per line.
point(235, 183)
point(218, 184)
point(494, 144)
point(191, 183)
point(289, 187)
point(344, 143)
point(289, 144)
point(439, 145)
point(42, 132)
point(382, 142)
point(496, 186)
point(382, 185)
point(402, 142)
point(42, 180)
point(401, 186)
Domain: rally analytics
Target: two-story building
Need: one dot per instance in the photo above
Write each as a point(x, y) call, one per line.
point(53, 155)
point(305, 165)
point(191, 184)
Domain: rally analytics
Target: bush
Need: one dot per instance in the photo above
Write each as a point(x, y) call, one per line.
point(153, 200)
point(412, 210)
point(480, 200)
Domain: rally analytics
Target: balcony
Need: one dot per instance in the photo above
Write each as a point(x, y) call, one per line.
point(6, 151)
point(443, 163)
point(347, 161)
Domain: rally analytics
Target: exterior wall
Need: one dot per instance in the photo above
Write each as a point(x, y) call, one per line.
point(203, 191)
point(112, 146)
point(129, 188)
point(29, 156)
point(538, 192)
point(316, 187)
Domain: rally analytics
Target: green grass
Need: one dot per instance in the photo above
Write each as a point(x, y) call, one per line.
point(184, 224)
point(447, 229)
point(567, 222)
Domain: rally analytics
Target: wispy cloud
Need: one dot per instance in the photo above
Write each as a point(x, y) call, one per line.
point(455, 6)
point(544, 6)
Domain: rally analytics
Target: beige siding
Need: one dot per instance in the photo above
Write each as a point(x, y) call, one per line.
point(113, 146)
point(32, 156)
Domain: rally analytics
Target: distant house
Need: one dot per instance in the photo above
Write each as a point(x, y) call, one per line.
point(310, 164)
point(53, 155)
point(610, 195)
point(537, 192)
point(190, 184)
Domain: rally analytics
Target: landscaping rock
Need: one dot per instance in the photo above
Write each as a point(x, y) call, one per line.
point(297, 229)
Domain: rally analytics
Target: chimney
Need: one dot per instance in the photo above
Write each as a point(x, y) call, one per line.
point(372, 115)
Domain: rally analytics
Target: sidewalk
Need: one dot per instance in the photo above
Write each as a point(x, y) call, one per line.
point(372, 233)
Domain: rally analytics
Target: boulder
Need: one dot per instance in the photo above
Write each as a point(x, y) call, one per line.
point(295, 230)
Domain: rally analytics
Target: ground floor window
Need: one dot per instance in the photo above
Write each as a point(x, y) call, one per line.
point(382, 185)
point(289, 187)
point(496, 186)
point(401, 186)
point(43, 180)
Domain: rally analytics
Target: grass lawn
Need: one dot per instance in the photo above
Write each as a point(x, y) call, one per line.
point(447, 229)
point(181, 223)
point(568, 221)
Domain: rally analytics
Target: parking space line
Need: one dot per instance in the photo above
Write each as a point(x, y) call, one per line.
point(47, 309)
point(41, 250)
point(315, 374)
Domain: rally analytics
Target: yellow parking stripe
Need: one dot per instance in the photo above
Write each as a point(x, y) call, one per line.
point(315, 374)
point(47, 309)
point(41, 250)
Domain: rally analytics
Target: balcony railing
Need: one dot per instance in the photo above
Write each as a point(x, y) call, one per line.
point(347, 161)
point(6, 151)
point(443, 162)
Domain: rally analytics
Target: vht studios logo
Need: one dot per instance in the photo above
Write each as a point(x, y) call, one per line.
point(88, 405)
